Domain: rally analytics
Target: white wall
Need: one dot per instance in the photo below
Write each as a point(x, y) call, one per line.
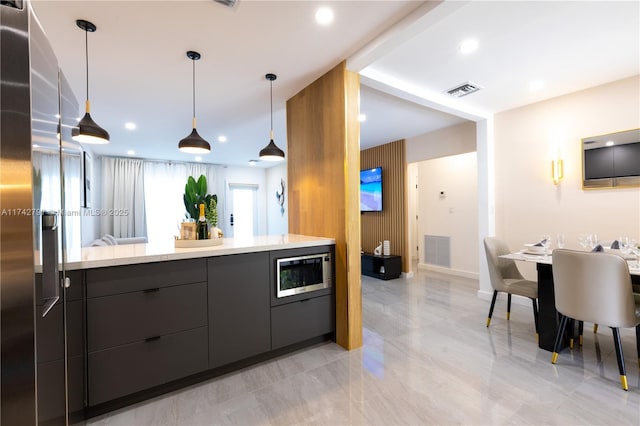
point(528, 204)
point(412, 207)
point(445, 159)
point(450, 140)
point(277, 223)
point(456, 214)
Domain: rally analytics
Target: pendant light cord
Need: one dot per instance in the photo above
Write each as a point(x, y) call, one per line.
point(86, 56)
point(194, 88)
point(271, 96)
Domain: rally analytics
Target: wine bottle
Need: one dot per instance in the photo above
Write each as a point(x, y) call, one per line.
point(203, 226)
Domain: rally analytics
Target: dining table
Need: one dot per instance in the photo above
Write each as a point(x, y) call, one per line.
point(548, 320)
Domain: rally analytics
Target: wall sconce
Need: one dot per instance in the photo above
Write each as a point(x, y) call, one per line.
point(557, 171)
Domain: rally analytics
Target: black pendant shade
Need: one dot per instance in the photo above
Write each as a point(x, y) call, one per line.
point(271, 152)
point(88, 131)
point(194, 143)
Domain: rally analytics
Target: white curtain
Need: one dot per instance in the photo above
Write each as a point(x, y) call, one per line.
point(123, 198)
point(164, 189)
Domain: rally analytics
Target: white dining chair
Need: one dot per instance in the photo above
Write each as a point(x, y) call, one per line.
point(595, 287)
point(506, 278)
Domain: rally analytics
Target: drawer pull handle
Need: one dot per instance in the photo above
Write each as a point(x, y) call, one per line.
point(152, 339)
point(151, 290)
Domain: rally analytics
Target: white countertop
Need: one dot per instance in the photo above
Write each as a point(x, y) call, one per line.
point(129, 254)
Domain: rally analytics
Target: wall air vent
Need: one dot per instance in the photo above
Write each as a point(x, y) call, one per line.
point(228, 3)
point(464, 89)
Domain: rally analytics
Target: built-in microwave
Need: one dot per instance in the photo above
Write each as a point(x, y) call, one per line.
point(301, 274)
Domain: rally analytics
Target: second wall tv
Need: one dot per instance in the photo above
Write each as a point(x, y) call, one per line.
point(371, 190)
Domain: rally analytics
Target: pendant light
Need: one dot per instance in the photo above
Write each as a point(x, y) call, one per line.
point(87, 130)
point(271, 152)
point(194, 144)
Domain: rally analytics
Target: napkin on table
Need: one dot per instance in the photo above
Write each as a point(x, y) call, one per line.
point(597, 249)
point(540, 243)
point(615, 245)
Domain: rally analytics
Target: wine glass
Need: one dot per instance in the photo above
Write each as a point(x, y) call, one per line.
point(635, 249)
point(625, 248)
point(584, 240)
point(560, 240)
point(593, 242)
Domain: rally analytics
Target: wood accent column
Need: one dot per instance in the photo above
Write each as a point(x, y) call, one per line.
point(323, 166)
point(391, 223)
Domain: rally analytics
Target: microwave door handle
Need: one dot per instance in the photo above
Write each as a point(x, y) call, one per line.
point(50, 275)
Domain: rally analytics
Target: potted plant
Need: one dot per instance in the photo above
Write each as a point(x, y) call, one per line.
point(195, 193)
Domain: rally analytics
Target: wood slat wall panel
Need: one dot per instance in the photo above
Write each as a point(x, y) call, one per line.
point(391, 223)
point(323, 136)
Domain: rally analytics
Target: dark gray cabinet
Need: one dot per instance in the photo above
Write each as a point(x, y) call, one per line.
point(302, 320)
point(151, 324)
point(146, 326)
point(239, 307)
point(134, 367)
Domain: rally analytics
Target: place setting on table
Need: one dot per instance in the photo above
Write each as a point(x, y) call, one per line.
point(540, 252)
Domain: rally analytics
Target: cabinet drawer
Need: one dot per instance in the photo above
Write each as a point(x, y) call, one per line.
point(120, 371)
point(125, 279)
point(299, 321)
point(126, 318)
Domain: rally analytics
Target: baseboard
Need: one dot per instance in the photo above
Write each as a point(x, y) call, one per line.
point(407, 274)
point(448, 271)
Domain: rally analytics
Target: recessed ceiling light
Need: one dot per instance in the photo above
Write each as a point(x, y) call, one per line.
point(222, 138)
point(252, 162)
point(131, 152)
point(198, 158)
point(130, 125)
point(536, 85)
point(610, 143)
point(324, 16)
point(362, 117)
point(469, 45)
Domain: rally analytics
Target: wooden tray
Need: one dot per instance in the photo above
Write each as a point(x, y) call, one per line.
point(198, 243)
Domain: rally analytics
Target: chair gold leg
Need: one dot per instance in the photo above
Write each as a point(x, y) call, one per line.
point(554, 357)
point(623, 382)
point(580, 340)
point(488, 321)
point(595, 328)
point(508, 315)
point(571, 343)
point(538, 341)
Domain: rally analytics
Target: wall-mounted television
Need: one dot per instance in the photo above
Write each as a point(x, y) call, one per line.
point(611, 160)
point(371, 190)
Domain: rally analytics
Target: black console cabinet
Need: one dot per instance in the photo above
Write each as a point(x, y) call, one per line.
point(383, 267)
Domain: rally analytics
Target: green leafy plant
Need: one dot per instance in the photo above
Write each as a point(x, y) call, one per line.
point(195, 193)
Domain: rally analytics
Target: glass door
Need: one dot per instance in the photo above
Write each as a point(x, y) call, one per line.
point(243, 216)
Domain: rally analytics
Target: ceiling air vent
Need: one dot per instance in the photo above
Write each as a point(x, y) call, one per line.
point(228, 3)
point(464, 89)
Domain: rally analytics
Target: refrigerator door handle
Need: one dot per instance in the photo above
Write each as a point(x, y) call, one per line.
point(50, 274)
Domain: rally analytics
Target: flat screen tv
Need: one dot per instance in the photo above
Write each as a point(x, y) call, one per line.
point(371, 190)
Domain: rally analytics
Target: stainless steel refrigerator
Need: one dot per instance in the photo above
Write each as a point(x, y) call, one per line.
point(41, 363)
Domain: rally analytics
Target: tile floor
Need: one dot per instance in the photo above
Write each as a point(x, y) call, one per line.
point(427, 358)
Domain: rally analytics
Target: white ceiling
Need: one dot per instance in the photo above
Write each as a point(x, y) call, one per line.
point(406, 51)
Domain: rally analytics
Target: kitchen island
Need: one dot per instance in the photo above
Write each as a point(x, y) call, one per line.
point(146, 319)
